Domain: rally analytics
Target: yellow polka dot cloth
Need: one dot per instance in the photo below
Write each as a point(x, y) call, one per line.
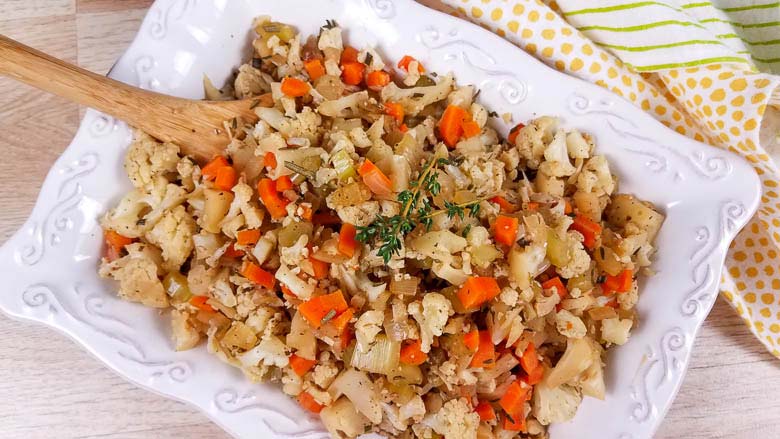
point(722, 103)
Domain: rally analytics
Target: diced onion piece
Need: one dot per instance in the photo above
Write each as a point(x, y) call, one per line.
point(357, 386)
point(298, 286)
point(577, 358)
point(382, 357)
point(404, 287)
point(301, 338)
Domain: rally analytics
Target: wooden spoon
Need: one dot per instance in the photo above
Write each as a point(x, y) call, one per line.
point(196, 126)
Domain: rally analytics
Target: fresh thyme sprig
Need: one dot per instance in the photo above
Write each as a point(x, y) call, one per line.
point(416, 209)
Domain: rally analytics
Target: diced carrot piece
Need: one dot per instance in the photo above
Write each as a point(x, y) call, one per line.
point(321, 268)
point(349, 54)
point(301, 365)
point(346, 338)
point(567, 209)
point(620, 283)
point(557, 284)
point(232, 252)
point(589, 229)
point(314, 68)
point(226, 178)
point(316, 308)
point(505, 229)
point(116, 241)
point(504, 204)
point(257, 275)
point(377, 79)
point(209, 171)
point(514, 399)
point(341, 321)
point(485, 411)
point(530, 364)
point(512, 424)
point(200, 303)
point(347, 242)
point(477, 291)
point(533, 206)
point(406, 60)
point(514, 132)
point(411, 353)
point(451, 125)
point(375, 179)
point(275, 204)
point(471, 340)
point(270, 160)
point(309, 403)
point(395, 110)
point(352, 72)
point(284, 183)
point(294, 87)
point(471, 128)
point(486, 352)
point(403, 128)
point(248, 236)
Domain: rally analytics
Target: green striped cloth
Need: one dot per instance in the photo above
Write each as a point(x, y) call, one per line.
point(658, 35)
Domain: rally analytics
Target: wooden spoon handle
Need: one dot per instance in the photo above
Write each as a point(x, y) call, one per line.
point(196, 126)
point(66, 80)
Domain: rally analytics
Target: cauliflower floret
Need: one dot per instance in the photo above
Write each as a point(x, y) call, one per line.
point(292, 384)
point(173, 234)
point(456, 420)
point(305, 124)
point(222, 290)
point(509, 296)
point(596, 177)
point(189, 173)
point(376, 60)
point(330, 38)
point(271, 351)
point(250, 82)
point(532, 139)
point(207, 245)
point(569, 325)
point(414, 409)
point(253, 216)
point(367, 327)
point(615, 330)
point(546, 304)
point(185, 336)
point(147, 158)
point(556, 156)
point(137, 273)
point(487, 175)
point(295, 254)
point(555, 404)
point(431, 315)
point(628, 299)
point(127, 217)
point(579, 260)
point(577, 146)
point(324, 374)
point(259, 318)
point(343, 420)
point(163, 197)
point(359, 215)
